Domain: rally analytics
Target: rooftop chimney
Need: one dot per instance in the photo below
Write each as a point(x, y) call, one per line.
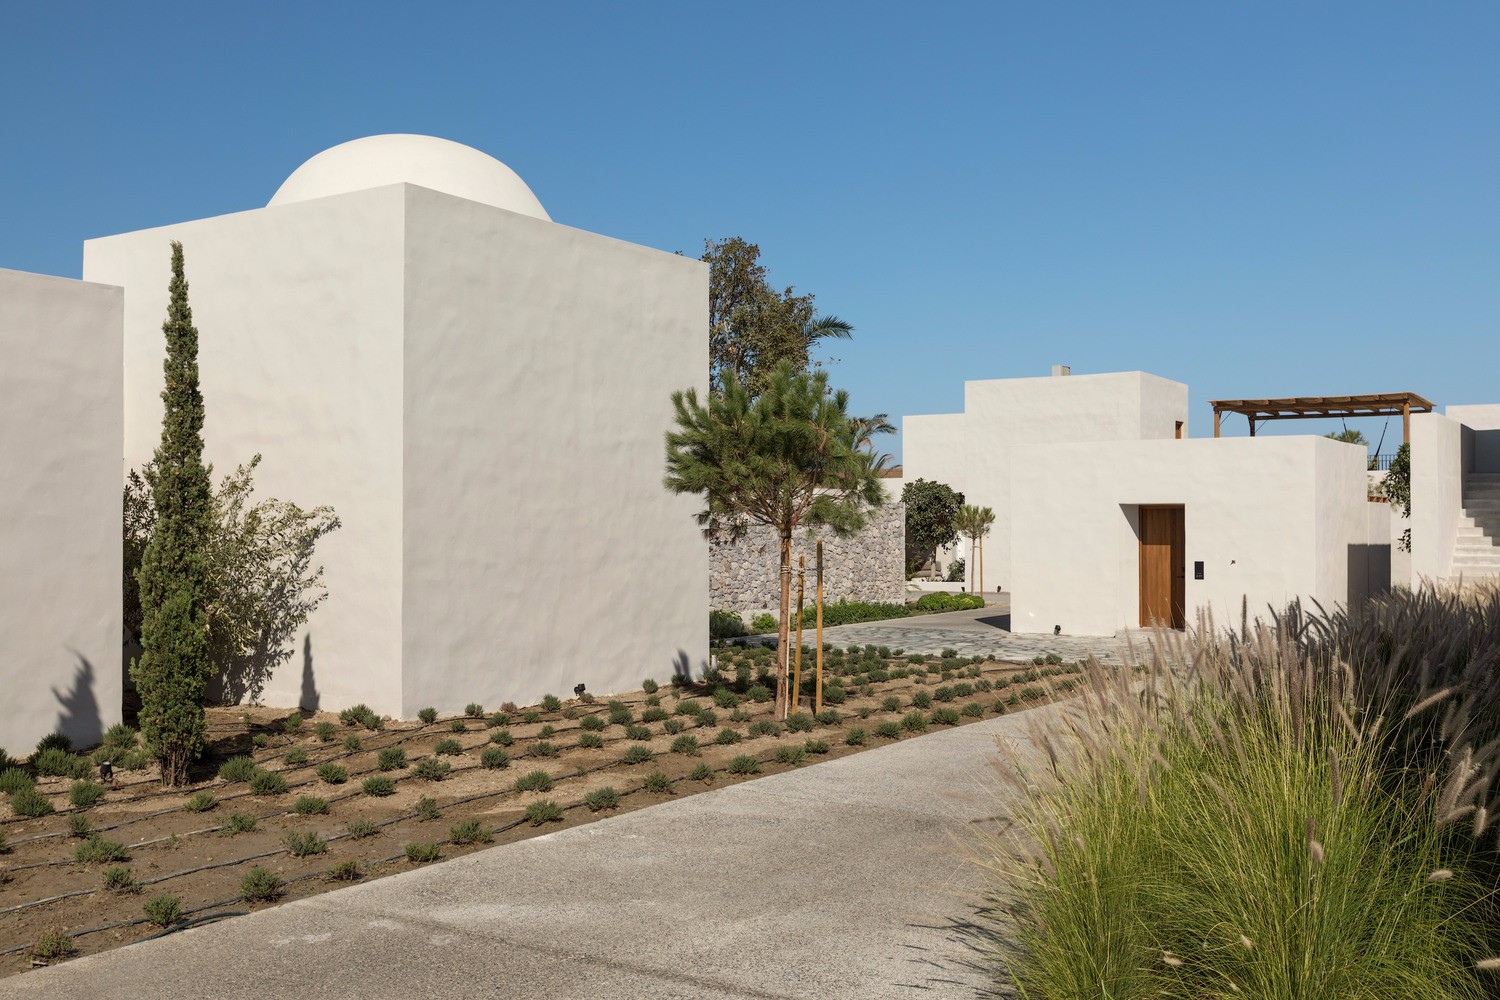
point(1060, 370)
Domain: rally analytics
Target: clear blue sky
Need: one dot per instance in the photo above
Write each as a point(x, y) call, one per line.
point(1256, 199)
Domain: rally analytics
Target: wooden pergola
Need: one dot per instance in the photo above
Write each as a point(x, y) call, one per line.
point(1380, 404)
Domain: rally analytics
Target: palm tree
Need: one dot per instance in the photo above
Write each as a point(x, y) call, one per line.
point(974, 522)
point(792, 455)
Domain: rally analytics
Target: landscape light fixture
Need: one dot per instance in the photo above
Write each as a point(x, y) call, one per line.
point(1057, 630)
point(106, 772)
point(578, 690)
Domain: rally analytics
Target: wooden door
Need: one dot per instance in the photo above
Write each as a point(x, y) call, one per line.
point(1163, 566)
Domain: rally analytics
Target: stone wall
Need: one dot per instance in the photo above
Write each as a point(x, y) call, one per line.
point(870, 566)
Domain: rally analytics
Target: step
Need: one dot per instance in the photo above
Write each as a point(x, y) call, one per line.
point(1482, 477)
point(1472, 530)
point(1477, 541)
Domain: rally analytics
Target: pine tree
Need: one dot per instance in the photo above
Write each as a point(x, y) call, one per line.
point(174, 667)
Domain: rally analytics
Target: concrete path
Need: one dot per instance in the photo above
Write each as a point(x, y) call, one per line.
point(841, 879)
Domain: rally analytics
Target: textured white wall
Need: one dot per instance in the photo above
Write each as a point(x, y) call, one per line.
point(299, 315)
point(972, 451)
point(466, 386)
point(60, 430)
point(1483, 419)
point(1436, 494)
point(541, 548)
point(1253, 512)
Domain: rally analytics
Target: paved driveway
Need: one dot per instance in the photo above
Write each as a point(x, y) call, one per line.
point(842, 879)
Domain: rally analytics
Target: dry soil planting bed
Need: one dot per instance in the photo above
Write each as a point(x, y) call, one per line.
point(80, 880)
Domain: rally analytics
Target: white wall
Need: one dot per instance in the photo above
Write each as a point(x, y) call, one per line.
point(541, 548)
point(465, 386)
point(60, 430)
point(972, 451)
point(1436, 494)
point(1484, 421)
point(1271, 518)
point(299, 314)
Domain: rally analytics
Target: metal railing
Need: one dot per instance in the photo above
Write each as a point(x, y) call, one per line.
point(1382, 463)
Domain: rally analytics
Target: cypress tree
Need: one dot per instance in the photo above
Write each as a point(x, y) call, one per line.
point(174, 667)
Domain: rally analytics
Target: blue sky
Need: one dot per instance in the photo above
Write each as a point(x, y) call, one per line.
point(1256, 199)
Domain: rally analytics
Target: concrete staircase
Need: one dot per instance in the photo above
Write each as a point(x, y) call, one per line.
point(1477, 553)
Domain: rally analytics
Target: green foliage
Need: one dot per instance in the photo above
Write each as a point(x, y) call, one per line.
point(310, 805)
point(957, 572)
point(853, 612)
point(673, 726)
point(705, 719)
point(119, 879)
point(79, 825)
point(378, 785)
point(1348, 436)
point(744, 764)
point(753, 329)
point(13, 779)
point(470, 831)
point(974, 710)
point(636, 754)
point(238, 822)
point(817, 747)
point(535, 781)
point(260, 885)
point(325, 732)
point(497, 719)
point(163, 910)
point(52, 945)
point(945, 716)
point(658, 782)
point(302, 843)
point(427, 716)
point(620, 714)
point(551, 703)
point(949, 654)
point(84, 794)
point(292, 724)
point(944, 693)
point(531, 716)
point(259, 741)
point(29, 802)
point(829, 717)
point(940, 601)
point(759, 693)
point(391, 759)
point(591, 741)
point(53, 741)
point(931, 510)
point(361, 715)
point(914, 722)
point(502, 737)
point(542, 748)
point(687, 745)
point(237, 769)
point(688, 706)
point(352, 742)
point(173, 670)
point(763, 623)
point(267, 783)
point(1397, 488)
point(728, 737)
point(888, 730)
point(343, 871)
point(593, 723)
point(98, 851)
point(649, 686)
point(359, 829)
point(494, 758)
point(790, 755)
point(641, 733)
point(474, 710)
point(432, 769)
point(55, 761)
point(448, 748)
point(427, 809)
point(653, 714)
point(855, 736)
point(764, 727)
point(421, 854)
point(458, 726)
point(201, 802)
point(701, 773)
point(725, 625)
point(725, 698)
point(543, 811)
point(921, 699)
point(799, 722)
point(602, 798)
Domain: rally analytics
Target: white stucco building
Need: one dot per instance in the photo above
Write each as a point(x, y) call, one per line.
point(404, 334)
point(1109, 518)
point(60, 552)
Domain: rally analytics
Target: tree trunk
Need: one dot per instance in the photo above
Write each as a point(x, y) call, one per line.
point(783, 636)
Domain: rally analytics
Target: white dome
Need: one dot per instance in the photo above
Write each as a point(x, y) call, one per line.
point(440, 164)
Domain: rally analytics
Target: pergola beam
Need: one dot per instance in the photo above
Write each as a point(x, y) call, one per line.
point(1386, 404)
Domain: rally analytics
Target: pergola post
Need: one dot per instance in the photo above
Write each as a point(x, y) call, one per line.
point(1216, 421)
point(1406, 423)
